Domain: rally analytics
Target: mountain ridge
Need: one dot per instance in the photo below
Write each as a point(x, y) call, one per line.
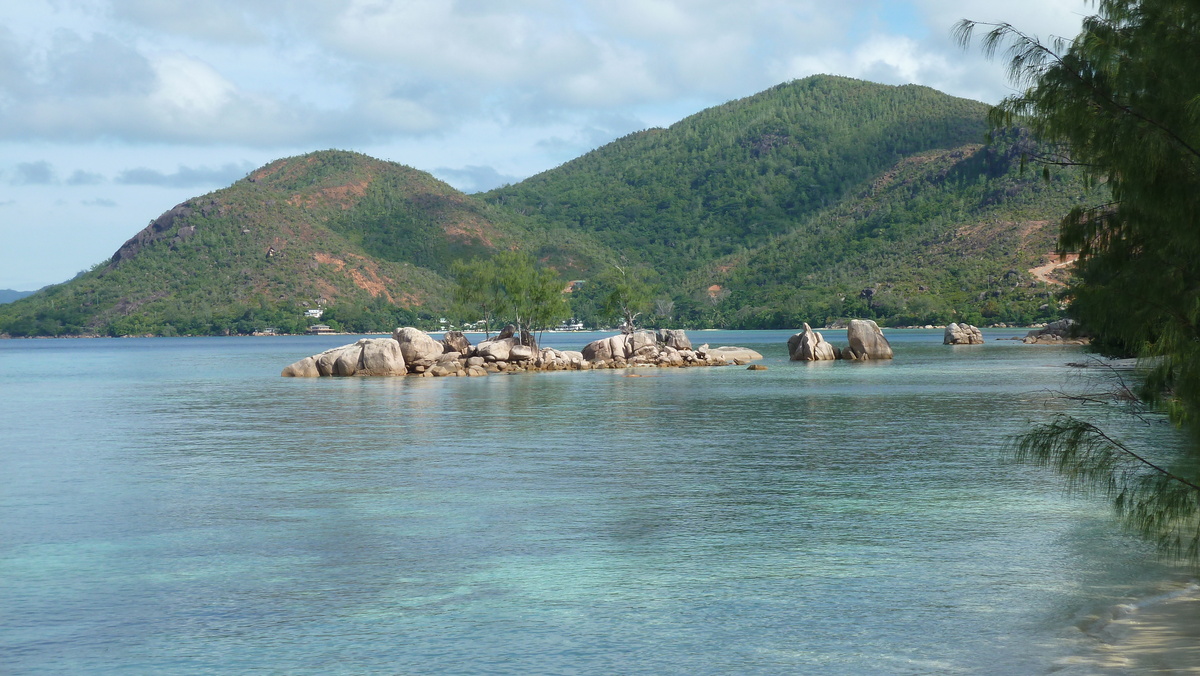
point(825, 178)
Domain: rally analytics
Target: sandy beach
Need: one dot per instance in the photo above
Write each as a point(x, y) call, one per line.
point(1160, 635)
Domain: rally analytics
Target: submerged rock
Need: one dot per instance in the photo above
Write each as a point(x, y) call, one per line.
point(736, 355)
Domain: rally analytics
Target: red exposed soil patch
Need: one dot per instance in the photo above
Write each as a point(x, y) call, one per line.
point(469, 230)
point(1045, 272)
point(344, 196)
point(365, 274)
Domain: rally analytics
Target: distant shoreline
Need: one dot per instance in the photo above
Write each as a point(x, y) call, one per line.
point(439, 331)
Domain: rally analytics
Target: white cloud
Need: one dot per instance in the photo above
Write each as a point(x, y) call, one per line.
point(211, 20)
point(188, 91)
point(330, 73)
point(887, 59)
point(496, 43)
point(485, 91)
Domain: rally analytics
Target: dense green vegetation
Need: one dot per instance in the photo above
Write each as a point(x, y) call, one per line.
point(734, 176)
point(816, 200)
point(944, 236)
point(252, 256)
point(509, 287)
point(1121, 100)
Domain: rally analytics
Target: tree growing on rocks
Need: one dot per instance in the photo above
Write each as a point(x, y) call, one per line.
point(477, 292)
point(626, 295)
point(510, 286)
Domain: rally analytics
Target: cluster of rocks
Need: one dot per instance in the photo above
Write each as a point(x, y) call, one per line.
point(962, 334)
point(413, 352)
point(866, 341)
point(667, 347)
point(1061, 332)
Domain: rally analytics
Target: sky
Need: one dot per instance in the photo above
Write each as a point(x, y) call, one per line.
point(114, 111)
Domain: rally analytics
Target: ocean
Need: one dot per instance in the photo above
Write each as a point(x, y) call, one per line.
point(173, 506)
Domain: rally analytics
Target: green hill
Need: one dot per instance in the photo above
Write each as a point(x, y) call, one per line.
point(736, 175)
point(947, 235)
point(815, 200)
point(366, 240)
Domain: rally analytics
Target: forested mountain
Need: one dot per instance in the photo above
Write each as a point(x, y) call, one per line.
point(736, 175)
point(945, 235)
point(815, 200)
point(366, 240)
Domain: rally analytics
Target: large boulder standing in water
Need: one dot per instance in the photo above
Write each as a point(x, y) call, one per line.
point(962, 334)
point(367, 357)
point(381, 357)
point(327, 361)
point(418, 348)
point(608, 349)
point(597, 350)
point(643, 343)
point(866, 341)
point(809, 345)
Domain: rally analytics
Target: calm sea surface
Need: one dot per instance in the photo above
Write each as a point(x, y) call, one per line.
point(173, 506)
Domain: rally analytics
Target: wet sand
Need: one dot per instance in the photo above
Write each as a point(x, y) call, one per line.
point(1163, 638)
point(1158, 636)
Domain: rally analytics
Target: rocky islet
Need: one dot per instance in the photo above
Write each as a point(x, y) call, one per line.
point(411, 351)
point(865, 338)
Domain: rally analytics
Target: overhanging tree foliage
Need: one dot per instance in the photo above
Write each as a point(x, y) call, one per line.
point(1123, 101)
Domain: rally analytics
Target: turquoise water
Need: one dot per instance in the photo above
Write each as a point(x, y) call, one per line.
point(172, 506)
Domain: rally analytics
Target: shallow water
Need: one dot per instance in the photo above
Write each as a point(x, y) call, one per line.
point(172, 506)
